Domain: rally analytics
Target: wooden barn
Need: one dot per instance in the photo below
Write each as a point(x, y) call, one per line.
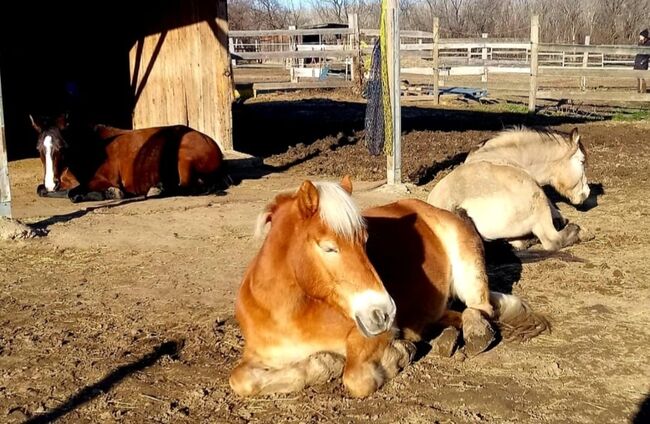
point(127, 63)
point(130, 64)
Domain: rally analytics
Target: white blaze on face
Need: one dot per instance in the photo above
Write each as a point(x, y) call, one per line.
point(49, 164)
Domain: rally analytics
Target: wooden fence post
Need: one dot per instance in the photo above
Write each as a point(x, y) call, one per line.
point(436, 60)
point(5, 188)
point(484, 57)
point(585, 63)
point(394, 161)
point(534, 52)
point(355, 45)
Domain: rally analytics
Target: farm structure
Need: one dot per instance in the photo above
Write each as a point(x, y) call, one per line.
point(134, 65)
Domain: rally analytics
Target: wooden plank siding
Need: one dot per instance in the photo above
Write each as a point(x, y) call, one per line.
point(182, 75)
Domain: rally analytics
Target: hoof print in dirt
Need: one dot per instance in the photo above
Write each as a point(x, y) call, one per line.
point(445, 344)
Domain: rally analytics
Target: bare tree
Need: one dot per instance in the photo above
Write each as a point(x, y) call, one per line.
point(606, 21)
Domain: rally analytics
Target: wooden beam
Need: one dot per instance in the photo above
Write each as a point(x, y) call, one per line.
point(290, 32)
point(270, 86)
point(5, 188)
point(335, 54)
point(593, 72)
point(225, 84)
point(534, 49)
point(394, 161)
point(606, 49)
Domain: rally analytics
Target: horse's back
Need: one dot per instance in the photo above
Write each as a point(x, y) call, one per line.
point(170, 155)
point(409, 243)
point(498, 198)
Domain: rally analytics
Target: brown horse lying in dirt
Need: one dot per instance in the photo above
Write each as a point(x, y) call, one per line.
point(107, 163)
point(333, 291)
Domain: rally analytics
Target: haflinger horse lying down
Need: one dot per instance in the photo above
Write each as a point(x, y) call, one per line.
point(333, 292)
point(500, 187)
point(107, 163)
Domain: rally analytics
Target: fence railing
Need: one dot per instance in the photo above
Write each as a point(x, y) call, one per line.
point(425, 53)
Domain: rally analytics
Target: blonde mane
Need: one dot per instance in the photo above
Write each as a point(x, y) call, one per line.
point(335, 207)
point(524, 145)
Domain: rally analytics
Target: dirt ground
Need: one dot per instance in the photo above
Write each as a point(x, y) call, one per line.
point(123, 313)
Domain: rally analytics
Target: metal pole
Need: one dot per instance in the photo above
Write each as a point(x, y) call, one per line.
point(394, 162)
point(5, 188)
point(534, 49)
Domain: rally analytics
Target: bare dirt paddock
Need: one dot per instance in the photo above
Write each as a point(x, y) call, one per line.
point(124, 313)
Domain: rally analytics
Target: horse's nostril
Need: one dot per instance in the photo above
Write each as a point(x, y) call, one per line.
point(379, 316)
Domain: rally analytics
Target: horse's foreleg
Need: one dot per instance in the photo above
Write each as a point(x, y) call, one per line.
point(469, 282)
point(370, 361)
point(98, 189)
point(558, 220)
point(249, 378)
point(548, 235)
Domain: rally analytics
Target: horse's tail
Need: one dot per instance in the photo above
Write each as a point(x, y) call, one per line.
point(515, 319)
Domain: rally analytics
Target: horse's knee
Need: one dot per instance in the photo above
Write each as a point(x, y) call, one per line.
point(363, 379)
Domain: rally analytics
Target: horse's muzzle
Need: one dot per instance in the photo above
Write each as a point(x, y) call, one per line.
point(377, 318)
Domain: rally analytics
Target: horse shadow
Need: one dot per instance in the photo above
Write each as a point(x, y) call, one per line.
point(279, 125)
point(595, 191)
point(88, 393)
point(59, 219)
point(643, 413)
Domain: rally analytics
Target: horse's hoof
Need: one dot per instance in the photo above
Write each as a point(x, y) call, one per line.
point(407, 350)
point(114, 193)
point(154, 192)
point(478, 334)
point(585, 235)
point(41, 190)
point(445, 344)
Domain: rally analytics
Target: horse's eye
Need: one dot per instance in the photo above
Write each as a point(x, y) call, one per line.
point(328, 247)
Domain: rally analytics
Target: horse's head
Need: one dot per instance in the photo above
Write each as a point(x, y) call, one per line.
point(51, 146)
point(319, 234)
point(570, 178)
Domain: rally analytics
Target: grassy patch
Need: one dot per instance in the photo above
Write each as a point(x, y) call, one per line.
point(632, 115)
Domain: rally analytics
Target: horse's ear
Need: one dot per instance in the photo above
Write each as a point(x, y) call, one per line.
point(575, 137)
point(260, 224)
point(35, 125)
point(62, 121)
point(346, 184)
point(308, 199)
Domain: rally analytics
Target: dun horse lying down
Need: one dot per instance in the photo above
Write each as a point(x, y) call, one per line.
point(333, 292)
point(107, 163)
point(499, 186)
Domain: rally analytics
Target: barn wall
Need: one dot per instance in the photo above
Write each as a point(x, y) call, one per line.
point(64, 55)
point(182, 75)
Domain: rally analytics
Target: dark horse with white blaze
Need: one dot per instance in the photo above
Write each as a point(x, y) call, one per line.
point(101, 162)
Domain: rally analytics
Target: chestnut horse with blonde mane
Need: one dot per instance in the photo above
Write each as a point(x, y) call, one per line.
point(333, 292)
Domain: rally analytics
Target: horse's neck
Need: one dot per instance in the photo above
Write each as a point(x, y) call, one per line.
point(539, 170)
point(272, 282)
